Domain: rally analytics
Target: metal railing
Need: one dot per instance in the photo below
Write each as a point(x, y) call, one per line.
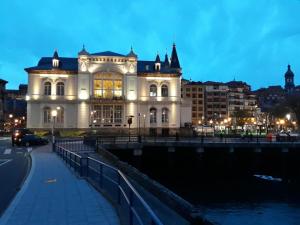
point(133, 208)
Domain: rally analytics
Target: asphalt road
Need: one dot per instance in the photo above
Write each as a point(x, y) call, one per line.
point(14, 165)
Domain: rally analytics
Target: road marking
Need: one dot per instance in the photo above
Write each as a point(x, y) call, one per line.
point(4, 161)
point(7, 151)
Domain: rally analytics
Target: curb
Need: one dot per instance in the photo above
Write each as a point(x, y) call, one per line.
point(13, 205)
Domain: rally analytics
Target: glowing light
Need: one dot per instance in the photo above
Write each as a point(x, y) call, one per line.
point(288, 116)
point(27, 98)
point(11, 116)
point(54, 113)
point(158, 78)
point(54, 75)
point(131, 95)
point(83, 95)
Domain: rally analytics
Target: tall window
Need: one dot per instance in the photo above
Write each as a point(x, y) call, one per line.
point(165, 115)
point(60, 115)
point(108, 113)
point(153, 113)
point(47, 88)
point(47, 115)
point(118, 114)
point(153, 90)
point(60, 88)
point(164, 90)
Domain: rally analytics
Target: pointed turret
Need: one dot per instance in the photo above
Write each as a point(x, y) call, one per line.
point(55, 55)
point(131, 53)
point(157, 63)
point(174, 58)
point(166, 62)
point(157, 59)
point(289, 80)
point(83, 51)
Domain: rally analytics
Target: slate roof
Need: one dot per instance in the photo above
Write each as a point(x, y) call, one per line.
point(45, 63)
point(142, 67)
point(107, 53)
point(71, 64)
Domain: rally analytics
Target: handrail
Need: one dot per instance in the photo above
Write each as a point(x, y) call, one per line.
point(128, 192)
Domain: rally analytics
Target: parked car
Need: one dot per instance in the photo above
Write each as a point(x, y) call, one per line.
point(18, 134)
point(31, 139)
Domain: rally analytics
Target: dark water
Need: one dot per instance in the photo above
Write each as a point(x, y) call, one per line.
point(222, 186)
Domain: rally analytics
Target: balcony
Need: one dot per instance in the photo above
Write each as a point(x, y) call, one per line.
point(100, 99)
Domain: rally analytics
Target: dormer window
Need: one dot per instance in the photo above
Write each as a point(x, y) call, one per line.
point(55, 59)
point(157, 66)
point(55, 62)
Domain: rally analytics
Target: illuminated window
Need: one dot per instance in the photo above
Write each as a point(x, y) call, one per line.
point(105, 88)
point(153, 90)
point(47, 115)
point(117, 88)
point(60, 115)
point(164, 90)
point(47, 88)
point(153, 113)
point(165, 115)
point(60, 88)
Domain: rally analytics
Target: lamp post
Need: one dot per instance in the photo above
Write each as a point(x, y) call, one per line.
point(54, 115)
point(129, 121)
point(139, 127)
point(144, 117)
point(288, 117)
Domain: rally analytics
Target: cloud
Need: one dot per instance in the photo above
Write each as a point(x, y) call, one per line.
point(216, 40)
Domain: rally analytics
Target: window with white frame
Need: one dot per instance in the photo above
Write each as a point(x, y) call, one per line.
point(153, 90)
point(165, 115)
point(153, 113)
point(47, 115)
point(164, 90)
point(47, 88)
point(60, 88)
point(60, 115)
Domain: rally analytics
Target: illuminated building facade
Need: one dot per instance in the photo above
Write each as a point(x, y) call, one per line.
point(104, 89)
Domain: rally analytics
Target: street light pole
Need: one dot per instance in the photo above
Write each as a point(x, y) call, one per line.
point(53, 114)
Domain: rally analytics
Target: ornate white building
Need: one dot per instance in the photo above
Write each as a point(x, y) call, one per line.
point(104, 89)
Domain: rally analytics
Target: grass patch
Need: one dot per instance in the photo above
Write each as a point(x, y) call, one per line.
point(72, 133)
point(41, 133)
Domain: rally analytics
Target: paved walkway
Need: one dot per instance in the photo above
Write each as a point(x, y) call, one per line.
point(53, 195)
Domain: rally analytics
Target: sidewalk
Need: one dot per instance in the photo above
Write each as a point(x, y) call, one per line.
point(53, 195)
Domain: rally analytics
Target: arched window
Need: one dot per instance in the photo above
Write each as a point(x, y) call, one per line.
point(165, 115)
point(60, 88)
point(153, 113)
point(164, 90)
point(47, 115)
point(60, 115)
point(47, 88)
point(153, 90)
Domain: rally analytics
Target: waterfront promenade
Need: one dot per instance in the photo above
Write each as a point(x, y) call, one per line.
point(52, 194)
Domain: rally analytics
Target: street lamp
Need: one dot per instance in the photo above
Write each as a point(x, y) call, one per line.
point(54, 115)
point(144, 117)
point(139, 127)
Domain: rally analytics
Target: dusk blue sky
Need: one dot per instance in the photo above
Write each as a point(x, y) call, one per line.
point(216, 40)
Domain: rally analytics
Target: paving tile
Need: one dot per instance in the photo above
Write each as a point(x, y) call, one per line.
point(55, 196)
